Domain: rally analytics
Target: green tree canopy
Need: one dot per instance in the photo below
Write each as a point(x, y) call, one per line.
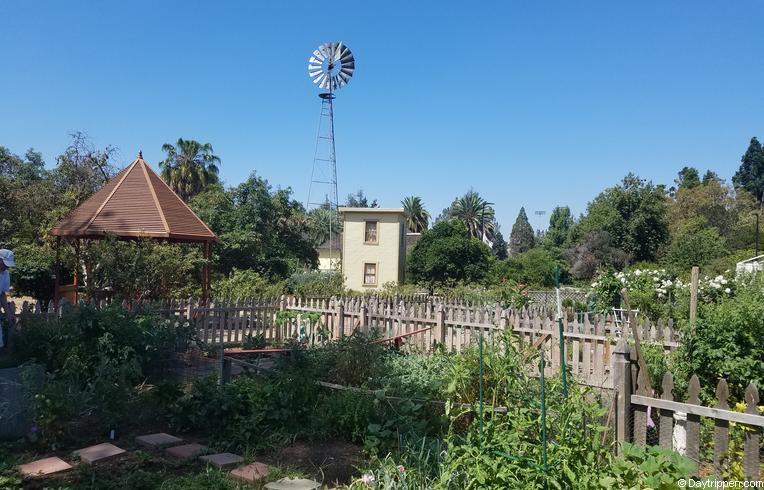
point(417, 217)
point(190, 167)
point(359, 200)
point(447, 255)
point(259, 228)
point(475, 212)
point(718, 205)
point(695, 243)
point(750, 175)
point(560, 223)
point(687, 178)
point(633, 214)
point(522, 237)
point(500, 246)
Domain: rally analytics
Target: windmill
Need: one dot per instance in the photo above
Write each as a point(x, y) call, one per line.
point(330, 67)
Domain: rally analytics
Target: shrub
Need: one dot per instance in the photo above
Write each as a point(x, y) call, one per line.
point(315, 283)
point(93, 358)
point(725, 343)
point(245, 284)
point(32, 276)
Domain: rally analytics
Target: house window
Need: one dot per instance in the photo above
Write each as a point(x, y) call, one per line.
point(370, 232)
point(369, 274)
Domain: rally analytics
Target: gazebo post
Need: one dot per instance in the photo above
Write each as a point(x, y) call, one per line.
point(206, 272)
point(57, 271)
point(76, 270)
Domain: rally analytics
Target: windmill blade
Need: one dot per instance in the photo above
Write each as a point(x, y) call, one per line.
point(347, 71)
point(319, 80)
point(341, 52)
point(344, 77)
point(313, 72)
point(318, 54)
point(347, 56)
point(333, 47)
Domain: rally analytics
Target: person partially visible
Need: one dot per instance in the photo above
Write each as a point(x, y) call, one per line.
point(6, 261)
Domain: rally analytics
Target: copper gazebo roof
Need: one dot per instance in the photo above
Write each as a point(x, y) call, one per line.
point(135, 203)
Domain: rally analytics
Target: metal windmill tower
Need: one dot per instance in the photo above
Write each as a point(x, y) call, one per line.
point(330, 67)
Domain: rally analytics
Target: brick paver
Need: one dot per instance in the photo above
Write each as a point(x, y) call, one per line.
point(157, 441)
point(223, 460)
point(99, 453)
point(250, 473)
point(186, 451)
point(42, 467)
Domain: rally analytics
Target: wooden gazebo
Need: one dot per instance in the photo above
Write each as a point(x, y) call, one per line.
point(136, 203)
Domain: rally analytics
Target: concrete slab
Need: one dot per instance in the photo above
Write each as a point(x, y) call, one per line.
point(293, 484)
point(43, 467)
point(250, 473)
point(157, 441)
point(223, 460)
point(185, 451)
point(99, 453)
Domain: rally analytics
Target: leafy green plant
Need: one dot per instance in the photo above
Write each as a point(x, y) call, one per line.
point(647, 467)
point(94, 359)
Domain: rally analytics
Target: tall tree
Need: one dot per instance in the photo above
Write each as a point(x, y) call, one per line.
point(687, 178)
point(259, 228)
point(750, 175)
point(633, 214)
point(417, 217)
point(475, 212)
point(522, 237)
point(500, 246)
point(446, 255)
point(359, 200)
point(709, 177)
point(560, 223)
point(190, 167)
point(718, 205)
point(81, 170)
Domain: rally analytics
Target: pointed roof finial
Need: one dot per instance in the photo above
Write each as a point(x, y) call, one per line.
point(140, 155)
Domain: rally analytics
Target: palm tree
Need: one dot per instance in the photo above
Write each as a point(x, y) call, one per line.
point(475, 212)
point(417, 217)
point(190, 167)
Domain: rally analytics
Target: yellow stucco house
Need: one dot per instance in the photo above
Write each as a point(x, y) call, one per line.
point(373, 247)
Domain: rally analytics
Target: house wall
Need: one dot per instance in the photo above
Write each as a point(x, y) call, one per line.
point(328, 262)
point(386, 253)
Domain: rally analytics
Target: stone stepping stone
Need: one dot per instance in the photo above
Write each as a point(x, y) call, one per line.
point(223, 460)
point(250, 473)
point(99, 453)
point(157, 441)
point(185, 451)
point(43, 467)
point(293, 484)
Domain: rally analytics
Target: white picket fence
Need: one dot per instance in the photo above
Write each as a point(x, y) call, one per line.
point(588, 340)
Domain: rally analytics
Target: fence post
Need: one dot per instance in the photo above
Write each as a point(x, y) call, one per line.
point(752, 437)
point(340, 307)
point(440, 323)
point(362, 324)
point(282, 307)
point(622, 392)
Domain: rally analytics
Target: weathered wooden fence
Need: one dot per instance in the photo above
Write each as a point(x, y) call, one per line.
point(589, 340)
point(679, 423)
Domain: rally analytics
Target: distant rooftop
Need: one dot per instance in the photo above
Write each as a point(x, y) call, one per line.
point(370, 210)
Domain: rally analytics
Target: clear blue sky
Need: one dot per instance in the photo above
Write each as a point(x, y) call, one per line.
point(532, 103)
